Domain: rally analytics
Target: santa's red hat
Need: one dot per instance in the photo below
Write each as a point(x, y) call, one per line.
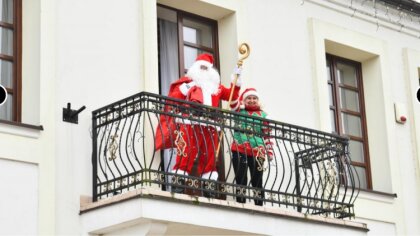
point(205, 59)
point(247, 92)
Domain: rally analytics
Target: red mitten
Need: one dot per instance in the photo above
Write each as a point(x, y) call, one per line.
point(195, 94)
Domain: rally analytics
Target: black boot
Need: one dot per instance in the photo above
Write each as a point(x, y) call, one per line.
point(177, 184)
point(209, 189)
point(259, 195)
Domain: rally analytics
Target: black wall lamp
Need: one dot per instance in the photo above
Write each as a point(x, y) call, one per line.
point(71, 116)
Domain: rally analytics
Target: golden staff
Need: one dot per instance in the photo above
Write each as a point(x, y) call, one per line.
point(244, 50)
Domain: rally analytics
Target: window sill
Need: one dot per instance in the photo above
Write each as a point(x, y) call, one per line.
point(377, 195)
point(20, 129)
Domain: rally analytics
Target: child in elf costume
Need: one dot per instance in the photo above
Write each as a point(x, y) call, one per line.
point(249, 150)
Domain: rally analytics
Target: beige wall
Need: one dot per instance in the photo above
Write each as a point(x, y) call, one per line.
point(95, 52)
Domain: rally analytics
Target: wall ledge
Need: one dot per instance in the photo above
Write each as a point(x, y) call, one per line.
point(87, 205)
point(20, 129)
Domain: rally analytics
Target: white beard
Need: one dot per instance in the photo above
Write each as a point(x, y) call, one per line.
point(208, 80)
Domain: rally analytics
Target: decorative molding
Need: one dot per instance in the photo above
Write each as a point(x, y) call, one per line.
point(20, 129)
point(380, 13)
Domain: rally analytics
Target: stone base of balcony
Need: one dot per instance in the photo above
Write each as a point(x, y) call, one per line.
point(86, 205)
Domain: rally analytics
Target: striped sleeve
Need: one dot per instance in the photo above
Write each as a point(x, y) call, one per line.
point(235, 105)
point(267, 140)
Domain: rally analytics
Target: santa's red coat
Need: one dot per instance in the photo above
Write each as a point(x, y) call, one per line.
point(165, 135)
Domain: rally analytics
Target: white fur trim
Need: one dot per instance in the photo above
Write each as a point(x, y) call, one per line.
point(234, 105)
point(207, 98)
point(251, 92)
point(190, 122)
point(180, 172)
point(205, 63)
point(238, 80)
point(213, 175)
point(184, 89)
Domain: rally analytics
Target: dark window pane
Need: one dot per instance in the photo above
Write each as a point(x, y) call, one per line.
point(346, 75)
point(197, 33)
point(6, 11)
point(356, 151)
point(349, 100)
point(6, 110)
point(351, 125)
point(6, 41)
point(6, 73)
point(361, 172)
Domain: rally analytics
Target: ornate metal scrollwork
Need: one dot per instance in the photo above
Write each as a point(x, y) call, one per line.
point(209, 185)
point(299, 201)
point(113, 147)
point(159, 177)
point(132, 179)
point(272, 197)
point(260, 163)
point(102, 120)
point(286, 199)
point(137, 107)
point(180, 143)
point(241, 191)
point(257, 193)
point(194, 183)
point(309, 164)
point(178, 180)
point(225, 188)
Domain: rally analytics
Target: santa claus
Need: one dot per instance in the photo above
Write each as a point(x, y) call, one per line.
point(196, 143)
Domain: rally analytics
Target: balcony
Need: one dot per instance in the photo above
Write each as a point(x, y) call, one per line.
point(310, 171)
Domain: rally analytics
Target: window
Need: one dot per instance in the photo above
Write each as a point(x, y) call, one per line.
point(348, 113)
point(182, 36)
point(10, 58)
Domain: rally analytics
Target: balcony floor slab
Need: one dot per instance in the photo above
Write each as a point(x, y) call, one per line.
point(152, 205)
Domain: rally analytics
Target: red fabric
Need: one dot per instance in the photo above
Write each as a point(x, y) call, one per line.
point(165, 135)
point(247, 92)
point(205, 57)
point(252, 109)
point(195, 95)
point(200, 142)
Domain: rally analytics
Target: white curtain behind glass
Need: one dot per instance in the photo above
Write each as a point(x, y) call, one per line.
point(6, 11)
point(168, 58)
point(6, 109)
point(6, 34)
point(6, 48)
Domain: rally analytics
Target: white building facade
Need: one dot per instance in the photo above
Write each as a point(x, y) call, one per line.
point(96, 52)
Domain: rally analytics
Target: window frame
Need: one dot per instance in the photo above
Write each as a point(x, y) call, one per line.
point(16, 60)
point(338, 110)
point(181, 43)
point(181, 15)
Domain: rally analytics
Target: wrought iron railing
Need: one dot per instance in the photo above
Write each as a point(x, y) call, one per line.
point(310, 171)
